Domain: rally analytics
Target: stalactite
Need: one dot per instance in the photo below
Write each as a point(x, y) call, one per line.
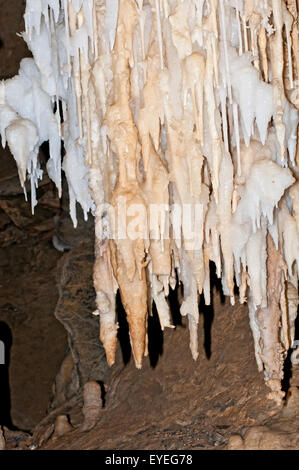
point(269, 320)
point(179, 123)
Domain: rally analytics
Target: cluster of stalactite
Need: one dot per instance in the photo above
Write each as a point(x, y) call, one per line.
point(189, 107)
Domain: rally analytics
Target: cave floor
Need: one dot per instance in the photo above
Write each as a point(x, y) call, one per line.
point(176, 403)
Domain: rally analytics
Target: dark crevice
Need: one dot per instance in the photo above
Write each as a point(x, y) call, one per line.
point(5, 402)
point(155, 338)
point(123, 330)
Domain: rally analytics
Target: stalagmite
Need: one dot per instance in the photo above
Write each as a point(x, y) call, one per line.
point(92, 405)
point(62, 426)
point(179, 123)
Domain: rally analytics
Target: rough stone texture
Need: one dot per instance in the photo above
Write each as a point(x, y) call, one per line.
point(62, 426)
point(74, 310)
point(15, 439)
point(92, 404)
point(12, 47)
point(28, 296)
point(174, 402)
point(34, 339)
point(280, 433)
point(28, 289)
point(2, 440)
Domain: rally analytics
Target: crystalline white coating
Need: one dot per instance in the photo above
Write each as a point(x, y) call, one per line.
point(254, 97)
point(22, 139)
point(7, 115)
point(40, 46)
point(291, 120)
point(32, 15)
point(88, 14)
point(77, 4)
point(55, 6)
point(264, 108)
point(77, 176)
point(111, 20)
point(79, 43)
point(264, 188)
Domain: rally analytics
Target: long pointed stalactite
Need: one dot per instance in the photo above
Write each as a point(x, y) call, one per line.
point(179, 122)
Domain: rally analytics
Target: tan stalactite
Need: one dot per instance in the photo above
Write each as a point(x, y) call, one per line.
point(277, 64)
point(106, 287)
point(76, 66)
point(211, 109)
point(155, 188)
point(270, 322)
point(128, 256)
point(262, 42)
point(133, 292)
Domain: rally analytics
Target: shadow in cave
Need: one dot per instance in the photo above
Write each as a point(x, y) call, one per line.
point(5, 404)
point(174, 299)
point(103, 392)
point(287, 369)
point(155, 337)
point(208, 310)
point(155, 334)
point(208, 317)
point(123, 330)
point(287, 373)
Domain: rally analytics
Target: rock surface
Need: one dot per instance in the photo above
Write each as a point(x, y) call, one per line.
point(279, 433)
point(176, 403)
point(86, 360)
